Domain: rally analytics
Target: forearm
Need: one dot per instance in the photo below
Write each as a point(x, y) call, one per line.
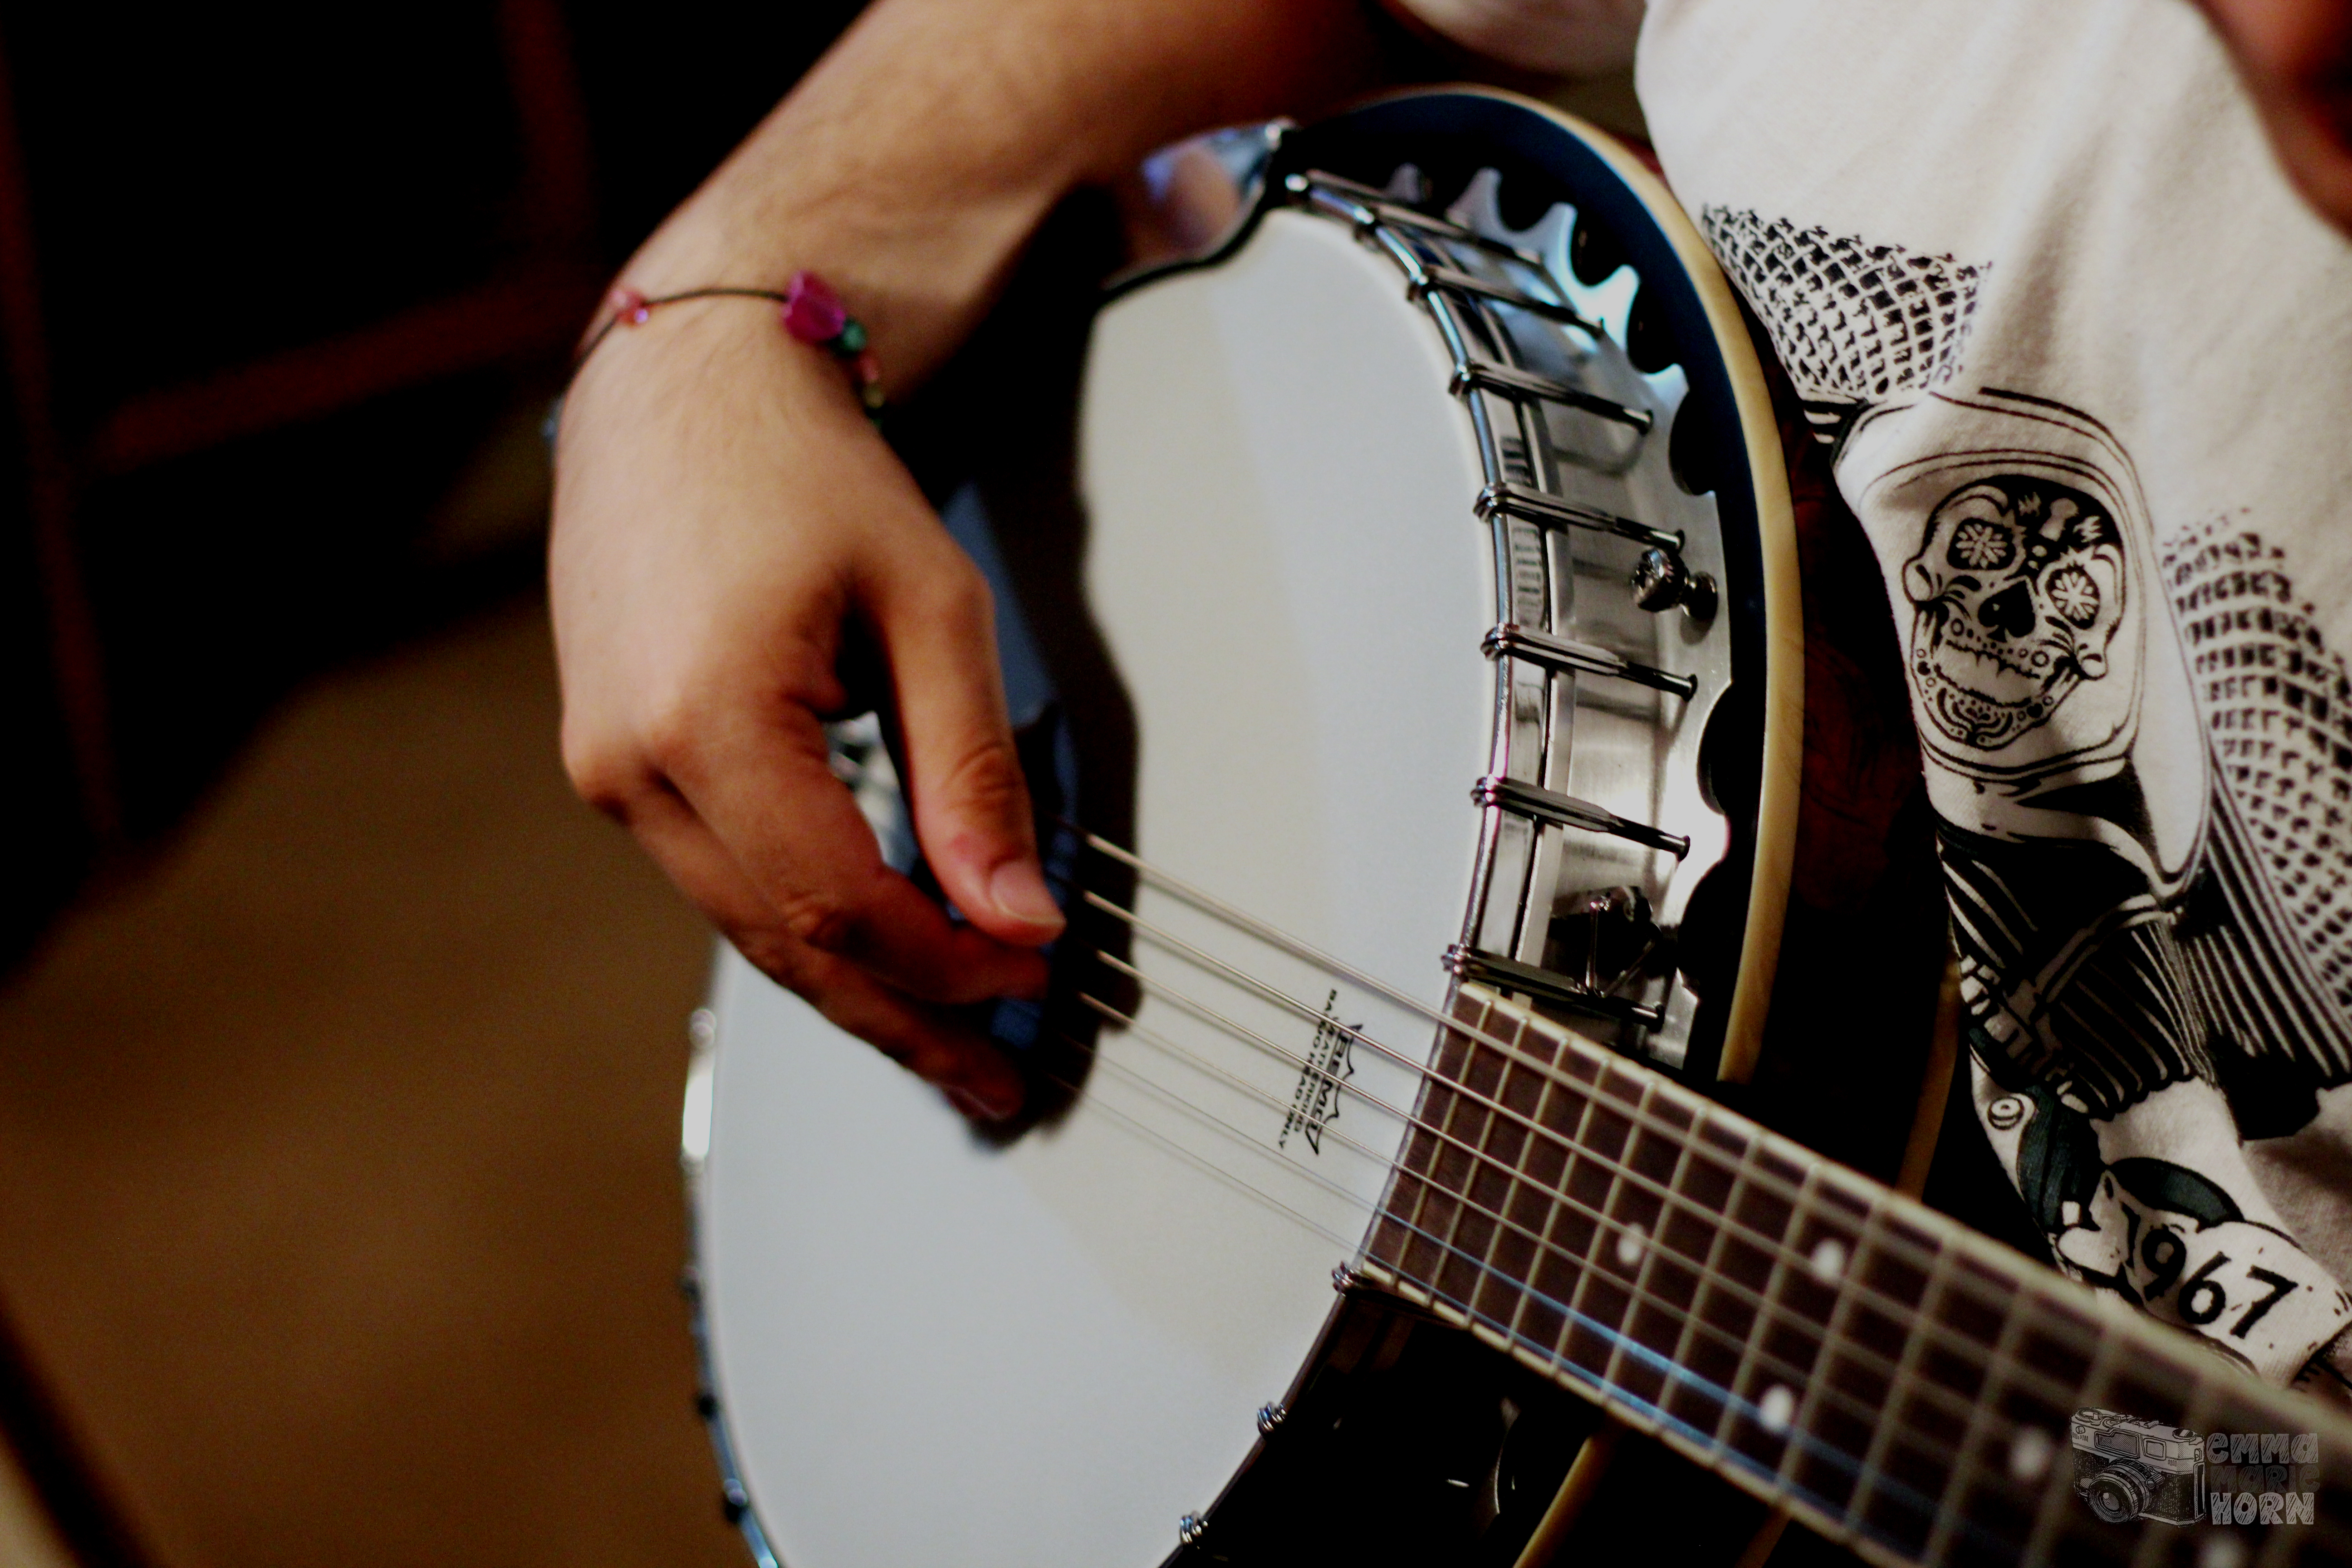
point(913, 162)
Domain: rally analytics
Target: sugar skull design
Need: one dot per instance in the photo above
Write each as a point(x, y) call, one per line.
point(2015, 594)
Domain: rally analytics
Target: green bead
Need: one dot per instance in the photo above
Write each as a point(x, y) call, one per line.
point(851, 339)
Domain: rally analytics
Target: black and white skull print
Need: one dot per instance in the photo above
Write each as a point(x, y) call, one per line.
point(2082, 376)
point(2017, 550)
point(2015, 594)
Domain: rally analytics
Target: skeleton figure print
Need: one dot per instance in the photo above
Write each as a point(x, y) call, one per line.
point(2114, 916)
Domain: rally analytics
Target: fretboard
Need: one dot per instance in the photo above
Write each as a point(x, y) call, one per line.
point(1896, 1381)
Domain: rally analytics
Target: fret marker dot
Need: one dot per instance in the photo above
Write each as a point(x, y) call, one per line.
point(1774, 1410)
point(2029, 1452)
point(1631, 1242)
point(2221, 1551)
point(1829, 1260)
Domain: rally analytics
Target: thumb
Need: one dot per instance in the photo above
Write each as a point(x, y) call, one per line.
point(971, 802)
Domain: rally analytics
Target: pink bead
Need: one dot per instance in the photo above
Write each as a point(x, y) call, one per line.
point(630, 306)
point(813, 313)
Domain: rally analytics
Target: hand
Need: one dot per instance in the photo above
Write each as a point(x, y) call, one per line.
point(2296, 57)
point(723, 511)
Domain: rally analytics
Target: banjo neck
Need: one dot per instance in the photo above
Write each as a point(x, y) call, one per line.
point(1835, 1348)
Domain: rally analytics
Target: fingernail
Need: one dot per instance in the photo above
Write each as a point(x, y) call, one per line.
point(1019, 890)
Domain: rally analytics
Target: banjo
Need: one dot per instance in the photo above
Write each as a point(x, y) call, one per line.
point(1412, 712)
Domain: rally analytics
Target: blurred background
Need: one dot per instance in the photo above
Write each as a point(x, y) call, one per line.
point(340, 1048)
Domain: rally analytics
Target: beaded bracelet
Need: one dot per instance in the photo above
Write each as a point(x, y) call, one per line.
point(808, 309)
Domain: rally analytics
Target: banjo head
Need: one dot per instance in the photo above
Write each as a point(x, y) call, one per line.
point(926, 1344)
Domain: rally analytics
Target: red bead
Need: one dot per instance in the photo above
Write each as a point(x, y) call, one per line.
point(813, 313)
point(629, 306)
point(869, 369)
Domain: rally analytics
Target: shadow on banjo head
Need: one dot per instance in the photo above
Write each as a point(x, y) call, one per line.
point(993, 440)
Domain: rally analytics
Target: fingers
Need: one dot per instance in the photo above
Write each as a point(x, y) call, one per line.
point(973, 1073)
point(969, 802)
point(766, 796)
point(708, 553)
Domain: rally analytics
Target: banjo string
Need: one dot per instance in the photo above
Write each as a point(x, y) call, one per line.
point(1789, 1256)
point(1893, 1244)
point(1618, 1339)
point(1208, 904)
point(1339, 969)
point(1603, 1224)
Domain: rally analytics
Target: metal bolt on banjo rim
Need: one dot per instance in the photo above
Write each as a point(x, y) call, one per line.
point(1661, 581)
point(1474, 303)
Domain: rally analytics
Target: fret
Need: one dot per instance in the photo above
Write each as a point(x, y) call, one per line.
point(1853, 1358)
point(1902, 1479)
point(1395, 1234)
point(1434, 1231)
point(1568, 1234)
point(1500, 1122)
point(2059, 1515)
point(1703, 1336)
point(1990, 1521)
point(1539, 1155)
point(1571, 1225)
point(1500, 1286)
point(1568, 1230)
point(1630, 1226)
point(1720, 1335)
point(1962, 1378)
point(2045, 1382)
point(1827, 1230)
point(1420, 1253)
point(2055, 1363)
point(1664, 1284)
point(1401, 1239)
point(1467, 1125)
point(1663, 1298)
point(1602, 1294)
point(2058, 1368)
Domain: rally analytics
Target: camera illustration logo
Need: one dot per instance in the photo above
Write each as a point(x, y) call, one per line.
point(2128, 1469)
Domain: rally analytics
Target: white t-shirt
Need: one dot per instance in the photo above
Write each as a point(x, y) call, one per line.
point(2086, 362)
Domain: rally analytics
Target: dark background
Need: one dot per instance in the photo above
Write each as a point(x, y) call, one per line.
point(210, 187)
point(340, 1048)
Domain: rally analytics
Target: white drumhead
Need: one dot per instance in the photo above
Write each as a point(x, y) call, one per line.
point(931, 1350)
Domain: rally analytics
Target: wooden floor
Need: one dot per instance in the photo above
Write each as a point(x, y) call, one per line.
point(338, 1151)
